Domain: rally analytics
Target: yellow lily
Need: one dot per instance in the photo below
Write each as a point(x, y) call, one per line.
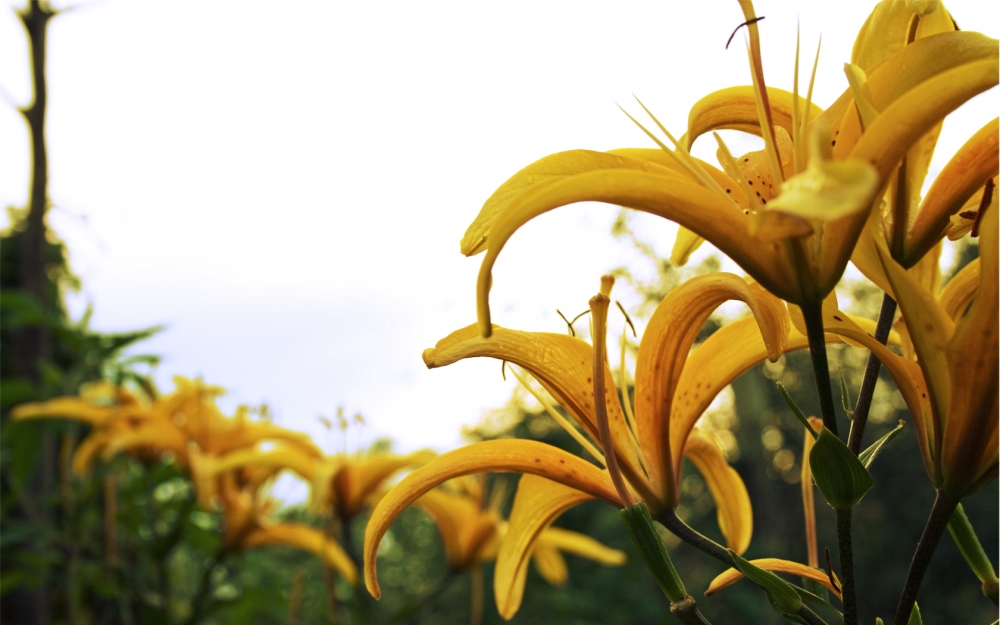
point(122, 421)
point(672, 390)
point(802, 242)
point(245, 511)
point(474, 533)
point(956, 346)
point(342, 484)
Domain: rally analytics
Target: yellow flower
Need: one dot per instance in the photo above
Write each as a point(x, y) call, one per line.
point(342, 484)
point(956, 345)
point(245, 511)
point(170, 424)
point(802, 241)
point(473, 532)
point(672, 389)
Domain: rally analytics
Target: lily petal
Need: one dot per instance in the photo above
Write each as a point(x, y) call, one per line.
point(522, 456)
point(892, 135)
point(664, 349)
point(731, 576)
point(357, 481)
point(965, 173)
point(552, 167)
point(970, 430)
point(72, 408)
point(732, 501)
point(680, 200)
point(735, 108)
point(961, 290)
point(537, 504)
point(564, 367)
point(467, 531)
point(885, 31)
point(307, 539)
point(582, 545)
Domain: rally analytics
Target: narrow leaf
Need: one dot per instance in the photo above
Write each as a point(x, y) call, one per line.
point(867, 457)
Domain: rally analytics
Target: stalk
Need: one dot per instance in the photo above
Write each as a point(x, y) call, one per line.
point(846, 552)
point(813, 314)
point(863, 407)
point(689, 535)
point(944, 506)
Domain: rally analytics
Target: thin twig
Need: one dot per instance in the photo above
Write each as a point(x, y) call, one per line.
point(863, 407)
point(846, 553)
point(944, 506)
point(813, 315)
point(689, 535)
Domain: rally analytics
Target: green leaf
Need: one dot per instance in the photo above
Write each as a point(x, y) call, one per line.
point(815, 588)
point(647, 541)
point(845, 396)
point(798, 413)
point(867, 457)
point(838, 473)
point(782, 595)
point(964, 535)
point(915, 616)
point(820, 606)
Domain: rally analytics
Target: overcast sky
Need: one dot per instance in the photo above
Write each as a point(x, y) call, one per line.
point(284, 185)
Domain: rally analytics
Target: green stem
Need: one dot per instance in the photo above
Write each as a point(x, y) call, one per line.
point(689, 535)
point(813, 314)
point(863, 407)
point(846, 552)
point(944, 506)
point(204, 590)
point(687, 612)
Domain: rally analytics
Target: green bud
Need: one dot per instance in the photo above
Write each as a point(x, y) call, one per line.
point(867, 457)
point(781, 593)
point(838, 473)
point(647, 540)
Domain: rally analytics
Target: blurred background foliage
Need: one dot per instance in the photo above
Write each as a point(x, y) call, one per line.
point(128, 544)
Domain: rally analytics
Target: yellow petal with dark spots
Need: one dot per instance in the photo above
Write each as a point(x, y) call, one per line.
point(521, 456)
point(732, 501)
point(537, 503)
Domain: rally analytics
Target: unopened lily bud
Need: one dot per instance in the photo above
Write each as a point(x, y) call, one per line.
point(923, 7)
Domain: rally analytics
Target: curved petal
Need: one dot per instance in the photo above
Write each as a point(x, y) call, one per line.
point(550, 564)
point(522, 456)
point(732, 501)
point(731, 576)
point(537, 504)
point(578, 544)
point(87, 451)
point(466, 529)
point(157, 434)
point(735, 108)
point(887, 27)
point(970, 430)
point(683, 201)
point(72, 408)
point(564, 366)
point(307, 539)
point(664, 349)
point(718, 361)
point(277, 459)
point(552, 167)
point(961, 289)
point(887, 140)
point(661, 158)
point(930, 330)
point(964, 174)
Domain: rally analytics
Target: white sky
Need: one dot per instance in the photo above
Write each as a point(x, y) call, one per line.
point(284, 185)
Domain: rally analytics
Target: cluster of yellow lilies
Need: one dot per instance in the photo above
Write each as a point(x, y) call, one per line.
point(231, 459)
point(831, 186)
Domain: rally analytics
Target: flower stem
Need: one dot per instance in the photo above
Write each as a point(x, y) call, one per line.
point(846, 553)
point(687, 612)
point(813, 314)
point(944, 506)
point(686, 533)
point(864, 404)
